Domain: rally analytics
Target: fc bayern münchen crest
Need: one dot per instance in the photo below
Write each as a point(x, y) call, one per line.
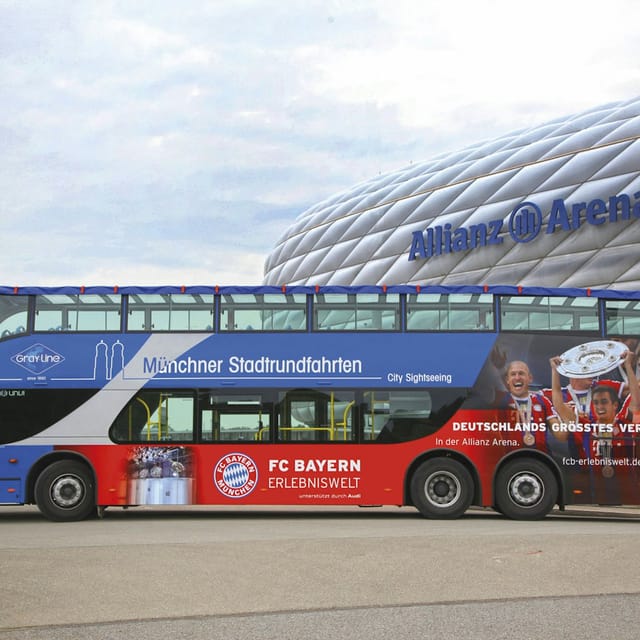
point(235, 475)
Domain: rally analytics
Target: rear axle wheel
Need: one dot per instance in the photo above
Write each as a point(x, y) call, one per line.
point(526, 489)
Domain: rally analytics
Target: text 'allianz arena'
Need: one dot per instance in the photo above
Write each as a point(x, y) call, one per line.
point(554, 205)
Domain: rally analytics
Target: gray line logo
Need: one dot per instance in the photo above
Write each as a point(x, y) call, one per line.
point(37, 358)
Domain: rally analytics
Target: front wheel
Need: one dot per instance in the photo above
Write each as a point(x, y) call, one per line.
point(441, 488)
point(64, 491)
point(526, 489)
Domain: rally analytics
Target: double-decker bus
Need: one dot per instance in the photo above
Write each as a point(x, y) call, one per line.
point(436, 397)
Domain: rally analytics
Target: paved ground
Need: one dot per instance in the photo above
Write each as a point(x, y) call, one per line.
point(319, 573)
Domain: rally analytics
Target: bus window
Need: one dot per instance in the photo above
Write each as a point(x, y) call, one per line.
point(356, 312)
point(450, 312)
point(400, 416)
point(76, 313)
point(13, 315)
point(315, 416)
point(623, 317)
point(156, 416)
point(263, 312)
point(549, 313)
point(240, 418)
point(170, 312)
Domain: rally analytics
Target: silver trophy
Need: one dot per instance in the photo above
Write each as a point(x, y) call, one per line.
point(592, 359)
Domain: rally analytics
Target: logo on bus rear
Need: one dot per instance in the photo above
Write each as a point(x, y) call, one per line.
point(235, 475)
point(37, 358)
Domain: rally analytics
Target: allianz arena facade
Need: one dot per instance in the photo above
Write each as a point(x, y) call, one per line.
point(556, 205)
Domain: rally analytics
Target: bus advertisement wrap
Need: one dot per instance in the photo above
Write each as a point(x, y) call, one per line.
point(520, 401)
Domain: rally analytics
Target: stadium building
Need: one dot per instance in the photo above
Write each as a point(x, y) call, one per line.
point(553, 205)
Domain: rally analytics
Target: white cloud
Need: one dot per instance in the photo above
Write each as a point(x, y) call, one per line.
point(228, 268)
point(499, 55)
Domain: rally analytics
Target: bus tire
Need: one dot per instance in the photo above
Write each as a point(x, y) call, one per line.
point(526, 489)
point(65, 490)
point(441, 488)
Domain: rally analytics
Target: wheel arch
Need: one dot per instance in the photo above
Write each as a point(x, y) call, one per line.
point(442, 453)
point(55, 456)
point(535, 455)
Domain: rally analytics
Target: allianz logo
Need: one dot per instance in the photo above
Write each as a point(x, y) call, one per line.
point(524, 224)
point(37, 358)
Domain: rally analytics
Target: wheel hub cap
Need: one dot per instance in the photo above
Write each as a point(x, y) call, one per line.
point(442, 489)
point(526, 489)
point(67, 492)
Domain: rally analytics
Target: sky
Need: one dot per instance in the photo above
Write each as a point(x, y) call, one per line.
point(159, 142)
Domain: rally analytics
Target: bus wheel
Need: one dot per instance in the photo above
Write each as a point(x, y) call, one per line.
point(526, 489)
point(64, 491)
point(441, 488)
